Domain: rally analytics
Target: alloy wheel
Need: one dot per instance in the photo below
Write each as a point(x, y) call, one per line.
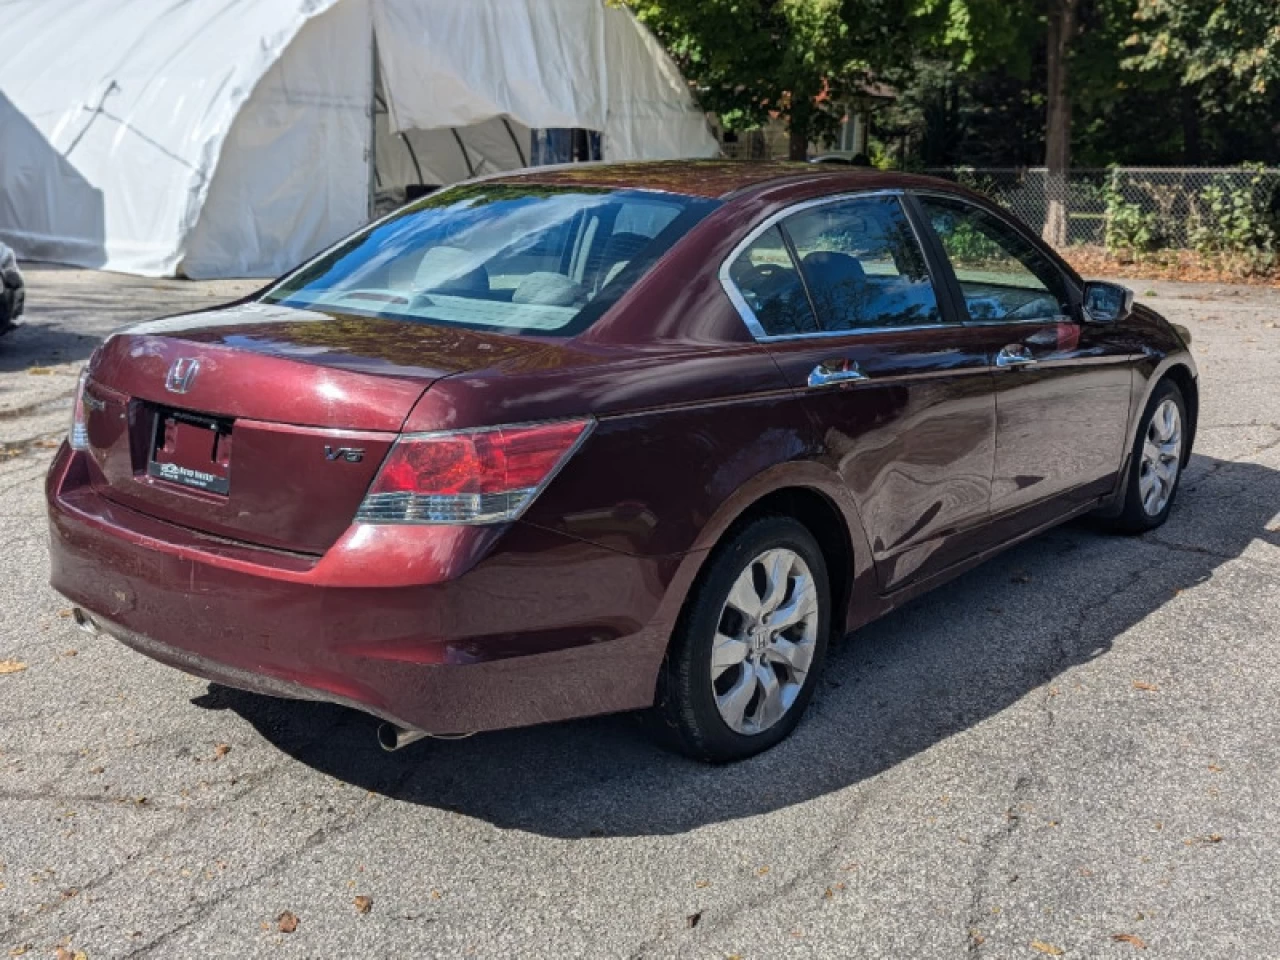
point(765, 641)
point(1161, 457)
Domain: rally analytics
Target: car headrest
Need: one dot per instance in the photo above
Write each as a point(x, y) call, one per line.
point(833, 269)
point(450, 270)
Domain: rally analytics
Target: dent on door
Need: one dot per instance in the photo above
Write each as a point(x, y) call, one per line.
point(1062, 415)
point(912, 437)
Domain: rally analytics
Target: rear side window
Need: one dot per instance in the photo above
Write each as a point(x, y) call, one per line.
point(506, 257)
point(769, 282)
point(863, 265)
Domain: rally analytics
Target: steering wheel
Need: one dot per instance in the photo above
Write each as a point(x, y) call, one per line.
point(1039, 308)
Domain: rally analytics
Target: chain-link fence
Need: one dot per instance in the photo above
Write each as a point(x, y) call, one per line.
point(1152, 207)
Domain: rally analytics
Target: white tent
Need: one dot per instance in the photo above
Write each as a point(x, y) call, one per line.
point(237, 137)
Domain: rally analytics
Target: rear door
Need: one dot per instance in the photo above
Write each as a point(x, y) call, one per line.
point(1062, 386)
point(898, 389)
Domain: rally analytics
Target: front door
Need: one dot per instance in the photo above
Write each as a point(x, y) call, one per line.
point(1062, 386)
point(899, 391)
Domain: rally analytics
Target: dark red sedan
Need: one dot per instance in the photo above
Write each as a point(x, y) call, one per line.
point(605, 438)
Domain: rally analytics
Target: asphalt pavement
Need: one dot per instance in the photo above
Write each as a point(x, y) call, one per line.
point(1072, 751)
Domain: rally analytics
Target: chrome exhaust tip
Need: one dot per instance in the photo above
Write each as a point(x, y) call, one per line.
point(85, 622)
point(391, 737)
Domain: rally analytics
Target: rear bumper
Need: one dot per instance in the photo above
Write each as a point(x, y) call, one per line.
point(441, 629)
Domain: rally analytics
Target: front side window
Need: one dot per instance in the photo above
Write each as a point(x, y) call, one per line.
point(863, 265)
point(769, 282)
point(504, 257)
point(1002, 275)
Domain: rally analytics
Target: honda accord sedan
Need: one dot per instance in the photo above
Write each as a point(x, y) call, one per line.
point(606, 438)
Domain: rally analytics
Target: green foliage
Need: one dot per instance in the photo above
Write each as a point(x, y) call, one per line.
point(1229, 50)
point(749, 60)
point(1130, 230)
point(1240, 223)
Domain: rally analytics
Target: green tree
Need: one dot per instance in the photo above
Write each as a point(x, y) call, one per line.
point(799, 60)
point(1228, 51)
point(990, 34)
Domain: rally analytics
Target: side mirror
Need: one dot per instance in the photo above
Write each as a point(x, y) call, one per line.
point(1106, 302)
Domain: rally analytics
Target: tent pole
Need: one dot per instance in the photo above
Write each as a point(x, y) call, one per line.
point(515, 141)
point(466, 157)
point(372, 186)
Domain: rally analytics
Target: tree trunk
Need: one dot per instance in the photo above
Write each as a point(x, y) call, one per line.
point(1057, 160)
point(1191, 153)
point(798, 128)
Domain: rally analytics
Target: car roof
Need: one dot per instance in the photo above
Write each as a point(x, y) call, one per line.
point(720, 179)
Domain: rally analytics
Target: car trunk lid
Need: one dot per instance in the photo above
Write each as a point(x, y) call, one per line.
point(261, 423)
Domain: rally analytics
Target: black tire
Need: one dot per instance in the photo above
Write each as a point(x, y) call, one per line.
point(685, 715)
point(1134, 518)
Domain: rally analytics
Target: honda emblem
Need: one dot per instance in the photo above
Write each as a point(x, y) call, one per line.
point(181, 375)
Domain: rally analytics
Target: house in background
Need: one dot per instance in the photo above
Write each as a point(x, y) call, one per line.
point(771, 141)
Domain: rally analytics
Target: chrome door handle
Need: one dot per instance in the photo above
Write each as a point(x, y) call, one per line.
point(1015, 355)
point(828, 372)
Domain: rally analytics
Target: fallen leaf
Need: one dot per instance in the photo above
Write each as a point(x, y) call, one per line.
point(1130, 938)
point(1048, 948)
point(70, 653)
point(693, 919)
point(40, 372)
point(221, 750)
point(976, 938)
point(761, 871)
point(1143, 685)
point(1211, 838)
point(363, 904)
point(19, 951)
point(700, 884)
point(11, 666)
point(287, 922)
point(1214, 768)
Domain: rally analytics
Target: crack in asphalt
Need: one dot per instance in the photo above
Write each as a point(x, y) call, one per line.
point(186, 821)
point(992, 845)
point(316, 839)
point(823, 859)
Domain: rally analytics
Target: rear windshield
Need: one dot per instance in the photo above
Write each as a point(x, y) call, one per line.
point(513, 258)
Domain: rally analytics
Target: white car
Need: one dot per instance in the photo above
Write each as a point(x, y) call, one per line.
point(12, 290)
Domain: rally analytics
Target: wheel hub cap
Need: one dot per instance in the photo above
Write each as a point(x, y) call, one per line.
point(765, 642)
point(1161, 458)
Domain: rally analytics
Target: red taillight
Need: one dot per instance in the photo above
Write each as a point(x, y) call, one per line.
point(469, 476)
point(79, 435)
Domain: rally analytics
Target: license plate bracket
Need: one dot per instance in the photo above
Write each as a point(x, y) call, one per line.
point(191, 450)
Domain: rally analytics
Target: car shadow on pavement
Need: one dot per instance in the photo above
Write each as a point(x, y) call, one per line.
point(933, 669)
point(36, 345)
